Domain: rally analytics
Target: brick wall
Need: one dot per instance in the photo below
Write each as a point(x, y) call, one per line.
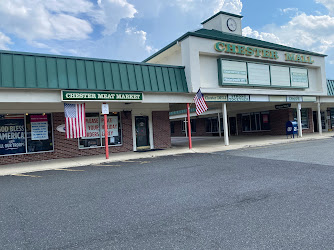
point(67, 148)
point(277, 118)
point(161, 129)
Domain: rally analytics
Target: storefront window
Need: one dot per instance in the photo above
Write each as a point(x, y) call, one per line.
point(39, 133)
point(20, 134)
point(304, 117)
point(172, 127)
point(212, 126)
point(95, 131)
point(192, 124)
point(255, 121)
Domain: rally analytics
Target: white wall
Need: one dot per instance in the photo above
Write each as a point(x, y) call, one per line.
point(203, 73)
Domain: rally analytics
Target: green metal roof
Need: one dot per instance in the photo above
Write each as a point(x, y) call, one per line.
point(330, 87)
point(30, 70)
point(227, 37)
point(221, 12)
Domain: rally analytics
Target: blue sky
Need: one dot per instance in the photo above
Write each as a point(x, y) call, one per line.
point(132, 30)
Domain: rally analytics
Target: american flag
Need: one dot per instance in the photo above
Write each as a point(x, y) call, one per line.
point(75, 120)
point(200, 103)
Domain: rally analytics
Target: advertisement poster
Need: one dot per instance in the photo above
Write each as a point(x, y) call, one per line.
point(12, 134)
point(112, 123)
point(39, 127)
point(92, 128)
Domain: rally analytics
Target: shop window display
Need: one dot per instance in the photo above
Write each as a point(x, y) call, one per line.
point(21, 134)
point(95, 131)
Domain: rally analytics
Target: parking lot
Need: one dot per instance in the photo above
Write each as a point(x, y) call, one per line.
point(274, 197)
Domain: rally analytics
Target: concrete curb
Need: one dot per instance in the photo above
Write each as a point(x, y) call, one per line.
point(58, 164)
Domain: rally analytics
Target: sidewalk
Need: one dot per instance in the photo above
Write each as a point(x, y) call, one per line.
point(179, 146)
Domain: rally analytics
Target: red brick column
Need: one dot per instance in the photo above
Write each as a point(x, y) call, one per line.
point(161, 129)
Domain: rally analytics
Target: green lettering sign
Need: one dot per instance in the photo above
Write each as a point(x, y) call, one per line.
point(100, 96)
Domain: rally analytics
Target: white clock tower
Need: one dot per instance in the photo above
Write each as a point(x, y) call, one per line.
point(225, 22)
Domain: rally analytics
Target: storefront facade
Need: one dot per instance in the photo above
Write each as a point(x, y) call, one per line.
point(34, 88)
point(261, 85)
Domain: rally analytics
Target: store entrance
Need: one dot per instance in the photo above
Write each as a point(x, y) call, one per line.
point(142, 133)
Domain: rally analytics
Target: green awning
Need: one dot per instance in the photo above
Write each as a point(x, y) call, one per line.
point(30, 70)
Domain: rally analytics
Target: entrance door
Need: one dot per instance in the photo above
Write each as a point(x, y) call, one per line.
point(233, 126)
point(315, 121)
point(142, 134)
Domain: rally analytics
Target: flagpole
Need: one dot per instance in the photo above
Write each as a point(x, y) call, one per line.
point(189, 126)
point(105, 111)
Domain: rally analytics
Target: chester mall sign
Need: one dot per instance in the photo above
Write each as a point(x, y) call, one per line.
point(258, 52)
point(100, 96)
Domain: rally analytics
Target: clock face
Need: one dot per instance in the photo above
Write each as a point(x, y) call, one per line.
point(231, 24)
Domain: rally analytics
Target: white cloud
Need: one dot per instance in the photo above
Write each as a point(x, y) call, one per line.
point(314, 33)
point(4, 41)
point(199, 6)
point(138, 37)
point(270, 37)
point(232, 6)
point(110, 13)
point(329, 4)
point(31, 20)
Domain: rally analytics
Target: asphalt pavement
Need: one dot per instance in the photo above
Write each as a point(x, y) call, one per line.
point(275, 197)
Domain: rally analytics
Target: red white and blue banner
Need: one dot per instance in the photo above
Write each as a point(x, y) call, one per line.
point(200, 103)
point(75, 120)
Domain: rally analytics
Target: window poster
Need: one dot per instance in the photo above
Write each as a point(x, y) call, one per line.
point(299, 77)
point(12, 134)
point(92, 128)
point(234, 72)
point(39, 127)
point(112, 124)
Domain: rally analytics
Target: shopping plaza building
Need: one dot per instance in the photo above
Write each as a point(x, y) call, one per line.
point(252, 87)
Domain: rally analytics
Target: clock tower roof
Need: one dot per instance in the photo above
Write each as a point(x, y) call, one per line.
point(224, 22)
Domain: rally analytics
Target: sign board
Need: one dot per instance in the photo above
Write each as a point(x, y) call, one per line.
point(61, 128)
point(233, 72)
point(100, 96)
point(294, 99)
point(215, 98)
point(39, 127)
point(238, 98)
point(283, 106)
point(12, 134)
point(93, 127)
point(258, 74)
point(280, 76)
point(299, 77)
point(105, 109)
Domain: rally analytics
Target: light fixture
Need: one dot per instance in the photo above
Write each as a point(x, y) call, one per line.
point(27, 114)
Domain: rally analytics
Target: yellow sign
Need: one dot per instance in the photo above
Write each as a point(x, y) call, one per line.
point(245, 50)
point(298, 58)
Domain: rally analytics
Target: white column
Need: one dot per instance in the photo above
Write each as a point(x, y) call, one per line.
point(185, 126)
point(226, 139)
point(319, 119)
point(134, 134)
point(299, 120)
point(150, 129)
point(219, 126)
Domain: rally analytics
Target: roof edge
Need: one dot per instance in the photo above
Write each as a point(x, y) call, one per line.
point(167, 47)
point(221, 12)
point(85, 58)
